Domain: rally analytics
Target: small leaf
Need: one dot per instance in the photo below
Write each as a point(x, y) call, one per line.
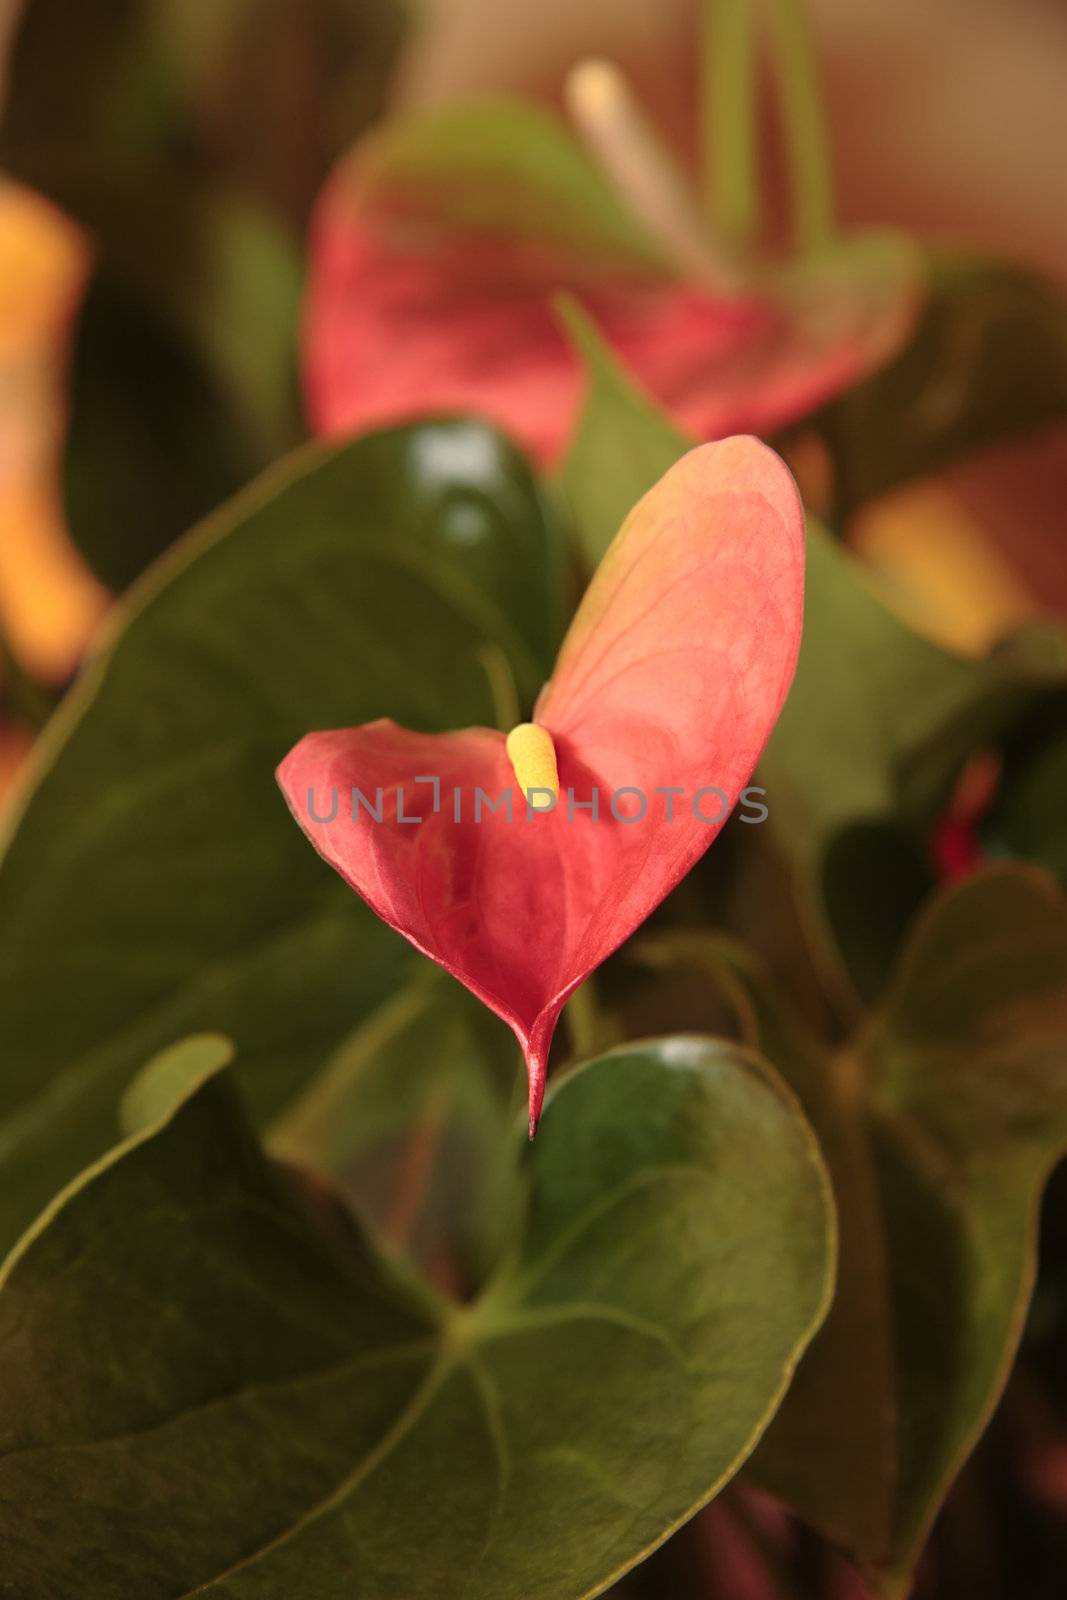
point(940, 1122)
point(207, 1396)
point(170, 1078)
point(154, 879)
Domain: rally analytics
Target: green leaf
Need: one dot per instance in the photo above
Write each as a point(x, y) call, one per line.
point(940, 1122)
point(412, 1118)
point(1028, 817)
point(170, 1078)
point(880, 719)
point(184, 380)
point(152, 443)
point(873, 865)
point(155, 881)
point(623, 444)
point(988, 361)
point(206, 1394)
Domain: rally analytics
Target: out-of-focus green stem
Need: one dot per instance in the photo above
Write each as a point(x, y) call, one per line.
point(729, 110)
point(804, 121)
point(502, 687)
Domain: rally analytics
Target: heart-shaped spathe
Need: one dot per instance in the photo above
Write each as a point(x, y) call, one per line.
point(667, 686)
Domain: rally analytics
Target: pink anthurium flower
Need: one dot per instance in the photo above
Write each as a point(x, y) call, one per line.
point(437, 251)
point(666, 688)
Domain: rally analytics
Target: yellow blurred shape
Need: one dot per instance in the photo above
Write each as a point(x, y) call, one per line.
point(942, 572)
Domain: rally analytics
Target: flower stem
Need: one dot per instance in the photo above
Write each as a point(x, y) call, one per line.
point(805, 125)
point(584, 1021)
point(729, 143)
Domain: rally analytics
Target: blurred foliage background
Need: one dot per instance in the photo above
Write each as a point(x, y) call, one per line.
point(160, 160)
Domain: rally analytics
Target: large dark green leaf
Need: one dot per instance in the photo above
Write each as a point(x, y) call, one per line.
point(155, 882)
point(988, 361)
point(940, 1122)
point(204, 1393)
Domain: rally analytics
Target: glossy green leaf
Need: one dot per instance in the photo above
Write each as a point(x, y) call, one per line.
point(155, 881)
point(987, 361)
point(940, 1122)
point(205, 1393)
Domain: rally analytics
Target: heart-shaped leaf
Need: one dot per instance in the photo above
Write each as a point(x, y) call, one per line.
point(940, 1122)
point(155, 881)
point(206, 1393)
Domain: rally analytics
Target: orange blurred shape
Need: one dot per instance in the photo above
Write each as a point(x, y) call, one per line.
point(49, 601)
